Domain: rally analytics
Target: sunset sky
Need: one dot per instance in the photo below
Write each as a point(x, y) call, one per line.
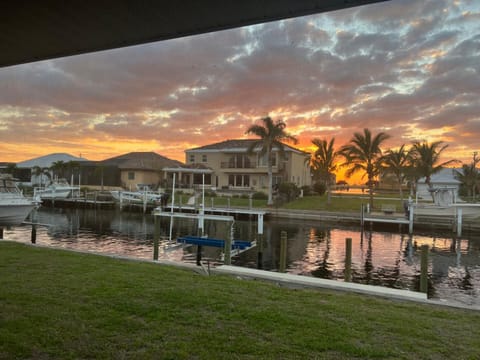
point(410, 68)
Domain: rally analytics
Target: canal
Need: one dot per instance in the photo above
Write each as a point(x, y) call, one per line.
point(379, 258)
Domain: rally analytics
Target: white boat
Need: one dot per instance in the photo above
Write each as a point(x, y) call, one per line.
point(58, 189)
point(14, 206)
point(143, 195)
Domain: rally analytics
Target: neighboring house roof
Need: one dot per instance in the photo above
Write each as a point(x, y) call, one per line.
point(238, 145)
point(141, 161)
point(47, 160)
point(444, 176)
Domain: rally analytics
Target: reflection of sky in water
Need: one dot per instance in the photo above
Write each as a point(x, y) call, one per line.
point(378, 258)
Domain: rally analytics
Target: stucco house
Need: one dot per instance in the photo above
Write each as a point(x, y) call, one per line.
point(233, 168)
point(140, 168)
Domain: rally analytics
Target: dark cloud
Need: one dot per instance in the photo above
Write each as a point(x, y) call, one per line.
point(406, 67)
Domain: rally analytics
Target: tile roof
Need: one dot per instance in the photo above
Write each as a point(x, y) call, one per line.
point(237, 144)
point(141, 160)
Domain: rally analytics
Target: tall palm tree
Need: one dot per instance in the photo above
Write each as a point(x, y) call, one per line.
point(470, 177)
point(59, 167)
point(323, 162)
point(271, 135)
point(363, 153)
point(397, 162)
point(427, 159)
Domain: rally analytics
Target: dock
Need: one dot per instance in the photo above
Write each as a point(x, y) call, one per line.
point(388, 216)
point(80, 202)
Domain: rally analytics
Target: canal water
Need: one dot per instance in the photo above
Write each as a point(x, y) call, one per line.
point(380, 258)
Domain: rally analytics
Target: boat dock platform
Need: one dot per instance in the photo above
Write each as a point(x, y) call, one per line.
point(79, 202)
point(388, 216)
point(236, 212)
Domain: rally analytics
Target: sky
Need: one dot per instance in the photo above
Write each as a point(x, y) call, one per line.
point(410, 68)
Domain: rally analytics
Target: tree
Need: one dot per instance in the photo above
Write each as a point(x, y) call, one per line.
point(427, 159)
point(58, 168)
point(363, 153)
point(397, 162)
point(11, 169)
point(323, 163)
point(470, 177)
point(271, 135)
point(39, 172)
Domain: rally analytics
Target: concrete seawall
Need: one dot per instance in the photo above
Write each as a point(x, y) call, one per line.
point(425, 219)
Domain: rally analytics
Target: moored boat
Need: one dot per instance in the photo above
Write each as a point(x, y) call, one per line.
point(58, 189)
point(14, 206)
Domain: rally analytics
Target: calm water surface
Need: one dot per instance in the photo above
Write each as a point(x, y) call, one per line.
point(314, 249)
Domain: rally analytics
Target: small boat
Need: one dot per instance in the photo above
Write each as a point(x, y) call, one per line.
point(58, 189)
point(14, 206)
point(143, 194)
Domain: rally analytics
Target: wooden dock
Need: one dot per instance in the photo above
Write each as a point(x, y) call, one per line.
point(388, 217)
point(82, 203)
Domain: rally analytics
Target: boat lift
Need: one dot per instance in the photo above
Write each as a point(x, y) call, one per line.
point(231, 247)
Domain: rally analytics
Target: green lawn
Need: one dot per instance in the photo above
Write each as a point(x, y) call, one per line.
point(56, 304)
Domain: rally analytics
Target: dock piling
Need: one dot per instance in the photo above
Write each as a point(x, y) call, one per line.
point(283, 251)
point(156, 235)
point(1, 233)
point(424, 269)
point(348, 259)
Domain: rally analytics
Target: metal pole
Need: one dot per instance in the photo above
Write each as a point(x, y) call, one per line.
point(459, 221)
point(410, 218)
point(171, 210)
point(228, 246)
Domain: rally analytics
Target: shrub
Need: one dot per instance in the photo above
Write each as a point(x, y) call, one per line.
point(319, 188)
point(307, 190)
point(259, 196)
point(289, 191)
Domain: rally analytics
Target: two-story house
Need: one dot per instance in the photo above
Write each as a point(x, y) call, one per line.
point(233, 168)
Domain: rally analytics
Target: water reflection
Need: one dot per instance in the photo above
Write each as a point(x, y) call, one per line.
point(378, 258)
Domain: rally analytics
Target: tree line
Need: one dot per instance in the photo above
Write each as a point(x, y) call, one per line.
point(364, 154)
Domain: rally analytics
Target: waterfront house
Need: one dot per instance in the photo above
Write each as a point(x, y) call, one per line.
point(45, 163)
point(140, 168)
point(232, 168)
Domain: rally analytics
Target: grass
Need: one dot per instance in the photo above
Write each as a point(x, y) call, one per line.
point(59, 304)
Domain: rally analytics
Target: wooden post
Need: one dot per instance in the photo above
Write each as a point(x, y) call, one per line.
point(1, 233)
point(34, 233)
point(362, 214)
point(228, 247)
point(283, 251)
point(260, 251)
point(424, 269)
point(348, 259)
point(156, 235)
point(199, 255)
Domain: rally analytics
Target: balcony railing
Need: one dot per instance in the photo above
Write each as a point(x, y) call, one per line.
point(229, 165)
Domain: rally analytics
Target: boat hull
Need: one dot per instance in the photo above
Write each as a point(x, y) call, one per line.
point(14, 214)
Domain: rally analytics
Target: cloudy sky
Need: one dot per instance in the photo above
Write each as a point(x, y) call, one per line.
point(410, 68)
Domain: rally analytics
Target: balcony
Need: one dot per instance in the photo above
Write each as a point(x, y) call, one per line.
point(231, 165)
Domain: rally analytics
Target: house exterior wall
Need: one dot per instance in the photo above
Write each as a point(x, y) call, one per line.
point(235, 169)
point(130, 178)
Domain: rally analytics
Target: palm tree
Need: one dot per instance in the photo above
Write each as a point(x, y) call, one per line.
point(39, 172)
point(271, 135)
point(323, 162)
point(427, 159)
point(397, 162)
point(59, 167)
point(363, 153)
point(470, 179)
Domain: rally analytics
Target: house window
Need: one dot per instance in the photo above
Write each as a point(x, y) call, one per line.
point(192, 158)
point(262, 159)
point(239, 180)
point(204, 158)
point(131, 175)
